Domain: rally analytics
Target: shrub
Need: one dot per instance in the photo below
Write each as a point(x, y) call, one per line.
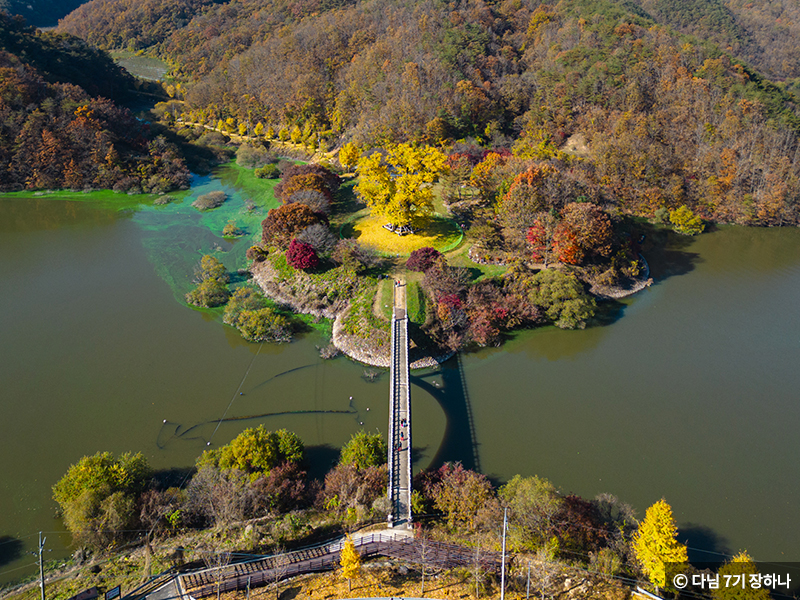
point(319, 237)
point(209, 200)
point(97, 496)
point(256, 253)
point(269, 171)
point(286, 221)
point(301, 255)
point(314, 199)
point(208, 294)
point(562, 299)
point(352, 255)
point(422, 259)
point(230, 230)
point(253, 157)
point(365, 450)
point(685, 221)
point(303, 181)
point(212, 138)
point(212, 280)
point(256, 452)
point(329, 181)
point(248, 312)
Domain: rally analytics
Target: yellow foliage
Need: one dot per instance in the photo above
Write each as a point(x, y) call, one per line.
point(350, 560)
point(399, 186)
point(349, 155)
point(655, 545)
point(685, 221)
point(436, 232)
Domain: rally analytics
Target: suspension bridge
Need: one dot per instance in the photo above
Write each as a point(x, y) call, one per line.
point(399, 489)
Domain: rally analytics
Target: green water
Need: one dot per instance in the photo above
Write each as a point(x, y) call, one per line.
point(689, 392)
point(144, 67)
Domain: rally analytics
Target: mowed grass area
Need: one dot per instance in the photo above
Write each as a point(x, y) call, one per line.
point(438, 232)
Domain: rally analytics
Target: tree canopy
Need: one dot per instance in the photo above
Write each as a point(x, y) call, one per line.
point(397, 185)
point(97, 496)
point(655, 543)
point(256, 452)
point(365, 450)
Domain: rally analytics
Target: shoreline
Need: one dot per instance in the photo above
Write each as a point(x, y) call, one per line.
point(354, 347)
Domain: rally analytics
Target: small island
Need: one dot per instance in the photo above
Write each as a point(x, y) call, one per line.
point(487, 242)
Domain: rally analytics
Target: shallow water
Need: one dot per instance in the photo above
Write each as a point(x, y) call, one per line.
point(689, 393)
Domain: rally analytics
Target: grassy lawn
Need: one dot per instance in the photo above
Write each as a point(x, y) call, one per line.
point(415, 302)
point(460, 258)
point(438, 232)
point(386, 298)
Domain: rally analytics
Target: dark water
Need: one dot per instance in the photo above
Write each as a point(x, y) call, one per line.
point(689, 394)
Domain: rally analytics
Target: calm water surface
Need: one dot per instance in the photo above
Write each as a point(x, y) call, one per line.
point(690, 393)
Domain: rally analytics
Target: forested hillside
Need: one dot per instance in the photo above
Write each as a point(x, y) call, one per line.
point(655, 120)
point(53, 134)
point(764, 33)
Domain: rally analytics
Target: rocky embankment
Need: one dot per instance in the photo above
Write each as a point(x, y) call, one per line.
point(373, 350)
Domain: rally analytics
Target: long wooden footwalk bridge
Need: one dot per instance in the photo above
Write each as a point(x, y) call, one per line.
point(399, 488)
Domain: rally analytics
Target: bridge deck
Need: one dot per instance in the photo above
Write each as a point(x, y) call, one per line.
point(400, 415)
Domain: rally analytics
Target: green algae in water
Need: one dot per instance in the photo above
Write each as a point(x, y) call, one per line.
point(177, 235)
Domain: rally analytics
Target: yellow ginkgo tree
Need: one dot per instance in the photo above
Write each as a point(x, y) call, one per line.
point(350, 561)
point(398, 185)
point(655, 543)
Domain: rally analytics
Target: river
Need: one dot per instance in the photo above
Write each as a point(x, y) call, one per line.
point(689, 391)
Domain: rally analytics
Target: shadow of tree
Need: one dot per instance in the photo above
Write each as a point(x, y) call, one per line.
point(10, 549)
point(666, 252)
point(320, 459)
point(704, 544)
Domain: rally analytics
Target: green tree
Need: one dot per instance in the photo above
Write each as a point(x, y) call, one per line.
point(256, 452)
point(534, 504)
point(685, 221)
point(365, 450)
point(212, 284)
point(562, 298)
point(97, 496)
point(740, 565)
point(350, 562)
point(655, 543)
point(398, 186)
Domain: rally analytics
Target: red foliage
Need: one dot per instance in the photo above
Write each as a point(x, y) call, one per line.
point(422, 259)
point(286, 221)
point(539, 240)
point(311, 176)
point(581, 527)
point(451, 301)
point(565, 245)
point(284, 489)
point(301, 255)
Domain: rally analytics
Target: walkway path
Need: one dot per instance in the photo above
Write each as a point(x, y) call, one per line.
point(399, 415)
point(270, 570)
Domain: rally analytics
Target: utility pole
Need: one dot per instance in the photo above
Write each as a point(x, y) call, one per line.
point(503, 566)
point(41, 562)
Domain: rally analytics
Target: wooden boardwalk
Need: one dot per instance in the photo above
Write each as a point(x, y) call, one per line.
point(270, 570)
point(399, 489)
